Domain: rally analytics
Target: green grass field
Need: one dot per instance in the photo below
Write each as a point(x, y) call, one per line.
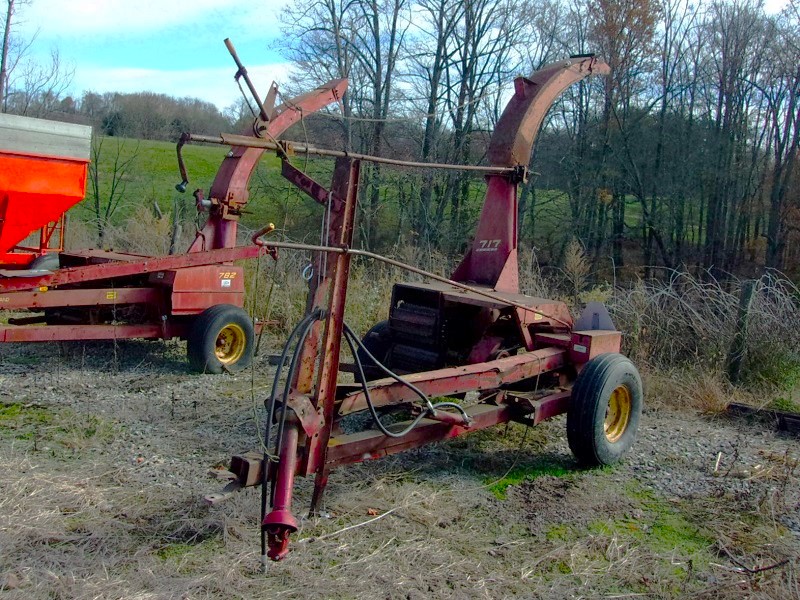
point(153, 172)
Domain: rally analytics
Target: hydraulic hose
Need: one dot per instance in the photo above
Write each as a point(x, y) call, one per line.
point(301, 332)
point(430, 409)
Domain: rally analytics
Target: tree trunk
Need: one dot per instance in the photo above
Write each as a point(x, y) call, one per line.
point(4, 56)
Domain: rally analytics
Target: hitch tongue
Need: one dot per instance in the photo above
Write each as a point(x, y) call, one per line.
point(280, 523)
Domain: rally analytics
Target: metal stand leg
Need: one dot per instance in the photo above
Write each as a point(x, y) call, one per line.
point(320, 482)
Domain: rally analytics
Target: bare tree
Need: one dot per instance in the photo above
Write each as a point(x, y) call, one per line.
point(380, 44)
point(107, 183)
point(545, 40)
point(678, 20)
point(5, 54)
point(485, 56)
point(363, 40)
point(321, 41)
point(735, 58)
point(38, 89)
point(623, 31)
point(782, 90)
point(430, 57)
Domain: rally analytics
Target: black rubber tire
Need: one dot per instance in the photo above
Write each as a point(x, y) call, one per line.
point(589, 407)
point(46, 262)
point(218, 323)
point(378, 341)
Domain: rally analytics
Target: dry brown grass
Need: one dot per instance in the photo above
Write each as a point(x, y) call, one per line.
point(79, 520)
point(688, 322)
point(80, 517)
point(705, 392)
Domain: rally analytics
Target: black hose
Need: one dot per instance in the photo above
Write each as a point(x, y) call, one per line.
point(349, 332)
point(314, 316)
point(303, 328)
point(430, 409)
point(373, 412)
point(269, 404)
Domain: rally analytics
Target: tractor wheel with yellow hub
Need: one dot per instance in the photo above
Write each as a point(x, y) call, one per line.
point(221, 338)
point(604, 410)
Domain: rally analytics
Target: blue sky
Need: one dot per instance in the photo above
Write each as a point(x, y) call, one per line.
point(168, 46)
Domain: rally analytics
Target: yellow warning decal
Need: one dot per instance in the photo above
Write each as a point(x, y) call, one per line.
point(111, 295)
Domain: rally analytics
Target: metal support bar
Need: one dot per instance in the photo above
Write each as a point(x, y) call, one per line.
point(114, 269)
point(81, 297)
point(396, 263)
point(289, 147)
point(242, 72)
point(57, 333)
point(455, 380)
point(370, 444)
point(342, 226)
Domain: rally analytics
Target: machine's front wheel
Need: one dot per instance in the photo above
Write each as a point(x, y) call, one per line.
point(221, 338)
point(46, 262)
point(604, 411)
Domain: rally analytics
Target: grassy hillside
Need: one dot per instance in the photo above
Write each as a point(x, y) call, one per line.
point(152, 173)
point(150, 178)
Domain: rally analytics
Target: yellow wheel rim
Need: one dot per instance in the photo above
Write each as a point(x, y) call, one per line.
point(231, 343)
point(618, 413)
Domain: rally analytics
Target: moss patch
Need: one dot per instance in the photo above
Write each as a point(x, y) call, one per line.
point(188, 557)
point(663, 527)
point(522, 473)
point(53, 429)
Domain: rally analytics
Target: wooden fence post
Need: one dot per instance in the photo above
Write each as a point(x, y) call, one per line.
point(739, 344)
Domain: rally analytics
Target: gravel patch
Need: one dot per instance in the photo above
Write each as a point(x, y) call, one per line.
point(119, 514)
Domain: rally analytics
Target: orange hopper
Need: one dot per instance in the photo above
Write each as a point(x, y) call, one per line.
point(43, 168)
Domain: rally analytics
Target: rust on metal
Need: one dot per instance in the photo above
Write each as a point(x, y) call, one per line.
point(306, 184)
point(55, 333)
point(372, 444)
point(341, 229)
point(311, 418)
point(516, 131)
point(457, 380)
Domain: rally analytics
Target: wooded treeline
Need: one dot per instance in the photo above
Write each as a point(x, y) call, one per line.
point(685, 156)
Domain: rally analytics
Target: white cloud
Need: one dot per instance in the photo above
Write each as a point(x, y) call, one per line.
point(214, 85)
point(774, 6)
point(122, 18)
